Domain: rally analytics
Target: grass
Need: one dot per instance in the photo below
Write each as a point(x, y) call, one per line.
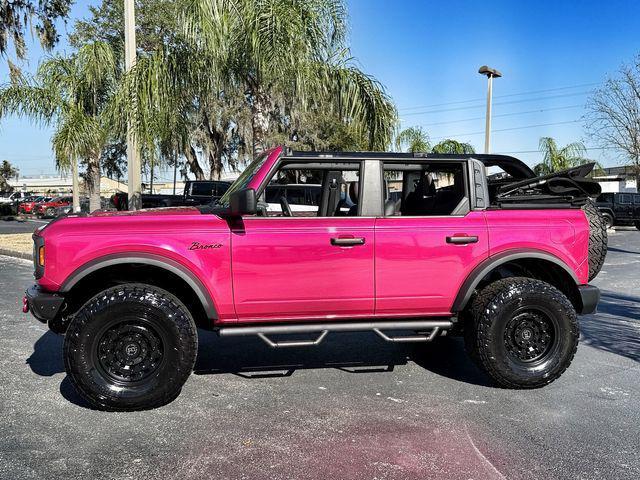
point(20, 244)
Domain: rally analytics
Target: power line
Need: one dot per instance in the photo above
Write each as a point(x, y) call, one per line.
point(507, 129)
point(502, 115)
point(564, 95)
point(531, 92)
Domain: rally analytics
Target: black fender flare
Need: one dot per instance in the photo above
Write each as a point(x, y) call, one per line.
point(147, 259)
point(489, 264)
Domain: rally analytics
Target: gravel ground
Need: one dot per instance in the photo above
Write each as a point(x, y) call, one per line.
point(353, 408)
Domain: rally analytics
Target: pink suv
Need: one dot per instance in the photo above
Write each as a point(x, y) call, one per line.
point(422, 244)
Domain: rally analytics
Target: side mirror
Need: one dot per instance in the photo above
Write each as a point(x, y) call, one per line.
point(243, 202)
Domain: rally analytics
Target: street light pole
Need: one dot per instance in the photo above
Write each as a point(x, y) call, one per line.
point(133, 155)
point(490, 73)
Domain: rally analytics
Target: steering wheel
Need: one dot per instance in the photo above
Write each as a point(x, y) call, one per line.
point(286, 209)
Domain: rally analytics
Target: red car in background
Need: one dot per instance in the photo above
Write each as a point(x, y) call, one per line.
point(29, 204)
point(48, 208)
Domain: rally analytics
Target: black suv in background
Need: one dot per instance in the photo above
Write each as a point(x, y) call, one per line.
point(196, 192)
point(620, 209)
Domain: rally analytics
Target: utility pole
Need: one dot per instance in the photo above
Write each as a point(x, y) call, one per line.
point(490, 73)
point(133, 155)
point(75, 185)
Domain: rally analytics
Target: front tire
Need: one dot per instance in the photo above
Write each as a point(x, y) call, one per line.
point(522, 332)
point(131, 347)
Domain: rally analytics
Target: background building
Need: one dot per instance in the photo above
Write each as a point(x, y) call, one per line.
point(617, 179)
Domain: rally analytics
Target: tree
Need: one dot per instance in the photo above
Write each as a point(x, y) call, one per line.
point(288, 57)
point(17, 15)
point(556, 158)
point(158, 31)
point(453, 146)
point(613, 116)
point(8, 171)
point(413, 140)
point(74, 94)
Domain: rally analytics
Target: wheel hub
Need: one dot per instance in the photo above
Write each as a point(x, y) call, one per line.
point(528, 336)
point(130, 352)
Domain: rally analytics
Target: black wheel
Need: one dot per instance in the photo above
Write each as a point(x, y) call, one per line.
point(130, 347)
point(637, 224)
point(522, 332)
point(608, 220)
point(597, 238)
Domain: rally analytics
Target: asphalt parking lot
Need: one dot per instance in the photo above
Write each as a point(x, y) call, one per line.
point(26, 226)
point(352, 408)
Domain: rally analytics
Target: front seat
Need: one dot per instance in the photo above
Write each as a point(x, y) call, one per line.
point(354, 190)
point(422, 199)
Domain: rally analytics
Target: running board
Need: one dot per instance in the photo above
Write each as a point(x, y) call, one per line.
point(322, 329)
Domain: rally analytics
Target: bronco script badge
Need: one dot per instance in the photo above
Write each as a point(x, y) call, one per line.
point(204, 246)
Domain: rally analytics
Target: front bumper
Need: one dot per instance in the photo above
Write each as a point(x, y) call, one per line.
point(43, 305)
point(589, 297)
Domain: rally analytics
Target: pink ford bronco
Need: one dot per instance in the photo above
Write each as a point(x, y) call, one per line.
point(409, 246)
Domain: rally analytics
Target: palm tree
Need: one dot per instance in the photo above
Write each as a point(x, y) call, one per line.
point(288, 57)
point(453, 146)
point(413, 140)
point(74, 95)
point(556, 158)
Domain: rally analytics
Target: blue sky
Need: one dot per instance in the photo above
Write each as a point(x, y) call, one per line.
point(427, 54)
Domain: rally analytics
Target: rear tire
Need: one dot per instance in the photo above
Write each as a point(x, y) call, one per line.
point(522, 332)
point(130, 347)
point(598, 239)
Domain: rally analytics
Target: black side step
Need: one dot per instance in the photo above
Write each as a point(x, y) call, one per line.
point(426, 330)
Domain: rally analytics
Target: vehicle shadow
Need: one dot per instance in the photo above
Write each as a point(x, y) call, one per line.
point(357, 353)
point(249, 357)
point(620, 250)
point(615, 327)
point(46, 359)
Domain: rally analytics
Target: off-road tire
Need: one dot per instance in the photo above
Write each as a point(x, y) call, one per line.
point(162, 327)
point(597, 238)
point(500, 304)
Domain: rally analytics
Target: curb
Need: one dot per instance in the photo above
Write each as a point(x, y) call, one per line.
point(16, 254)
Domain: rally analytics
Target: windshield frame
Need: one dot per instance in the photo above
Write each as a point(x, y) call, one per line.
point(244, 179)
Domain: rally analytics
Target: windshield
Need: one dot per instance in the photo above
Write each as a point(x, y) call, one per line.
point(244, 179)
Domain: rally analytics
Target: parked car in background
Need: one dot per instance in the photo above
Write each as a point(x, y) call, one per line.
point(48, 209)
point(196, 192)
point(105, 204)
point(620, 209)
point(29, 203)
point(14, 197)
point(9, 202)
point(299, 197)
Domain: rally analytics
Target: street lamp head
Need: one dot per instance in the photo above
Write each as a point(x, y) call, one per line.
point(489, 72)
